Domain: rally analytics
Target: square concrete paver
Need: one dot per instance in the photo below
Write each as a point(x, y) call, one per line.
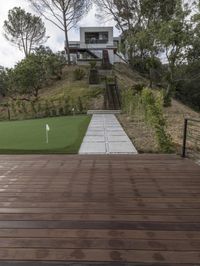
point(93, 148)
point(94, 139)
point(115, 129)
point(121, 138)
point(115, 133)
point(95, 133)
point(121, 147)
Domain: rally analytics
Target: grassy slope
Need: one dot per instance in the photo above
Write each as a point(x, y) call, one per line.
point(56, 91)
point(28, 136)
point(127, 77)
point(68, 87)
point(175, 115)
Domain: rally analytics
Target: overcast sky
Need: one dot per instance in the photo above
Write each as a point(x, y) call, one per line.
point(9, 55)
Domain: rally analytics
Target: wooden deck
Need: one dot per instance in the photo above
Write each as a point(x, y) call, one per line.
point(99, 210)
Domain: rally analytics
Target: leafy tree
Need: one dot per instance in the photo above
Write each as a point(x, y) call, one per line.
point(175, 36)
point(53, 63)
point(138, 21)
point(24, 81)
point(24, 30)
point(64, 14)
point(151, 28)
point(28, 77)
point(187, 84)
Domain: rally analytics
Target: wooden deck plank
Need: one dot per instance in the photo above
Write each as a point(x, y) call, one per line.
point(131, 210)
point(99, 254)
point(93, 243)
point(105, 234)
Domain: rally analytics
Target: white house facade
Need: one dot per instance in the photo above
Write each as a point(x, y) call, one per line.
point(94, 42)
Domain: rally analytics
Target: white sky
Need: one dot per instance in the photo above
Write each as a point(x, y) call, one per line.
point(10, 55)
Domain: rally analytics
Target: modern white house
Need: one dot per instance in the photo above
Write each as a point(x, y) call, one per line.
point(94, 41)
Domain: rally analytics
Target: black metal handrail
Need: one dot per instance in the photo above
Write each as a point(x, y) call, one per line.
point(185, 136)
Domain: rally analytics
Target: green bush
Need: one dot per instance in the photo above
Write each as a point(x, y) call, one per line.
point(137, 88)
point(33, 108)
point(53, 112)
point(153, 106)
point(130, 101)
point(93, 64)
point(167, 98)
point(110, 79)
point(80, 105)
point(39, 108)
point(24, 107)
point(61, 111)
point(148, 106)
point(47, 109)
point(13, 108)
point(67, 106)
point(79, 74)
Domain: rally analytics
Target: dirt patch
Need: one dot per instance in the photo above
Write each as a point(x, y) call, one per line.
point(175, 116)
point(140, 134)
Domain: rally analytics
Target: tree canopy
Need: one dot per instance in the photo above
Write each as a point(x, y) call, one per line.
point(64, 14)
point(25, 30)
point(31, 74)
point(153, 29)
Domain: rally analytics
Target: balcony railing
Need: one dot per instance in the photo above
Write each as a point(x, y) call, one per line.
point(103, 41)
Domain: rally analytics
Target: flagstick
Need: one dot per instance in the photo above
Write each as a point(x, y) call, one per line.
point(47, 136)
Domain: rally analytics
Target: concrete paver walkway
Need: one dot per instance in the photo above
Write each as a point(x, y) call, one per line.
point(106, 136)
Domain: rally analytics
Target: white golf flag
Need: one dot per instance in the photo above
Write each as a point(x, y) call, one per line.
point(47, 133)
point(47, 127)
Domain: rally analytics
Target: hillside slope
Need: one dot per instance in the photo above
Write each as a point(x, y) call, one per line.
point(67, 94)
point(142, 136)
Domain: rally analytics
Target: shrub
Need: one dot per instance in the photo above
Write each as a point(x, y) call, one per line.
point(130, 101)
point(61, 111)
point(93, 64)
point(47, 109)
point(18, 106)
point(80, 105)
point(137, 88)
point(167, 98)
point(66, 106)
point(53, 112)
point(153, 106)
point(110, 79)
point(24, 107)
point(33, 108)
point(13, 108)
point(39, 107)
point(79, 74)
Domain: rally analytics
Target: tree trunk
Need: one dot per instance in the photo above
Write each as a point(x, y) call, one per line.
point(66, 40)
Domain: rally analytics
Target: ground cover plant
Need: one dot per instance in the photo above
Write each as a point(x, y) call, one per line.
point(29, 136)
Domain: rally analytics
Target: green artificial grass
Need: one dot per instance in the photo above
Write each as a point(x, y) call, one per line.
point(29, 136)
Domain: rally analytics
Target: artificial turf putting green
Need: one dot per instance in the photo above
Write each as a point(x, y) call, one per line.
point(29, 136)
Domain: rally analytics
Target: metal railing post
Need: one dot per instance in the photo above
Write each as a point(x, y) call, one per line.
point(185, 138)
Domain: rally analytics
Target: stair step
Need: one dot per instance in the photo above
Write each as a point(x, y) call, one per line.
point(115, 112)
